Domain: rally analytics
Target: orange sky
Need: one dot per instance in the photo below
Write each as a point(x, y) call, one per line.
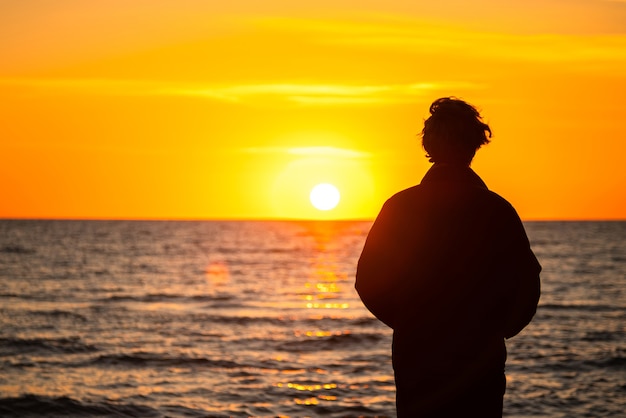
point(198, 109)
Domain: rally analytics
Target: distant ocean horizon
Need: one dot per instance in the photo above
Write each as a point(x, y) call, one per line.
point(263, 219)
point(220, 318)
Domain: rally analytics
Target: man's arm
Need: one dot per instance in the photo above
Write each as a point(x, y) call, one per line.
point(379, 267)
point(523, 273)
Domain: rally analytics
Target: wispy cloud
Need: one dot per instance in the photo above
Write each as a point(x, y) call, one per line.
point(325, 151)
point(328, 151)
point(323, 94)
point(303, 94)
point(414, 35)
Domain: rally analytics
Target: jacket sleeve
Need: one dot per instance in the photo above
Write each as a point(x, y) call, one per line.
point(522, 274)
point(381, 266)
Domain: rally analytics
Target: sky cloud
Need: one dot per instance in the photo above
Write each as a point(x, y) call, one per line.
point(327, 151)
point(414, 35)
point(324, 94)
point(305, 94)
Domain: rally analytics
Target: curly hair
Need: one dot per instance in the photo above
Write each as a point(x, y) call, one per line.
point(453, 132)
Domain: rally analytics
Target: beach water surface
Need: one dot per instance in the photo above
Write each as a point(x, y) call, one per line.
point(219, 319)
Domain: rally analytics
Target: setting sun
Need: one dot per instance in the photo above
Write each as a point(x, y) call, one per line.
point(325, 196)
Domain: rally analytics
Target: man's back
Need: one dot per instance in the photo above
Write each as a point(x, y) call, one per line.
point(446, 265)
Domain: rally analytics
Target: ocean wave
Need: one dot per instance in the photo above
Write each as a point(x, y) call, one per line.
point(165, 297)
point(255, 250)
point(58, 314)
point(71, 345)
point(240, 320)
point(333, 342)
point(16, 249)
point(316, 409)
point(614, 363)
point(348, 322)
point(582, 307)
point(30, 406)
point(146, 359)
point(603, 336)
point(38, 406)
point(40, 297)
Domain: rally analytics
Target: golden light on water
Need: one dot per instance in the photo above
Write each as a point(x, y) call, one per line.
point(328, 305)
point(313, 400)
point(217, 273)
point(310, 388)
point(307, 401)
point(319, 333)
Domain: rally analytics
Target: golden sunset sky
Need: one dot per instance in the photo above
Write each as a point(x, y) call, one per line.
point(178, 109)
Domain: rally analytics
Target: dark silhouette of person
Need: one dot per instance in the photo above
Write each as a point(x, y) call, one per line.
point(447, 264)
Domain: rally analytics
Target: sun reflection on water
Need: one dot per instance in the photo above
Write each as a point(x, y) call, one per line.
point(217, 273)
point(325, 281)
point(310, 388)
point(312, 400)
point(319, 333)
point(326, 292)
point(307, 401)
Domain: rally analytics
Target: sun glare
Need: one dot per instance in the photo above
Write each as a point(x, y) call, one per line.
point(324, 196)
point(322, 183)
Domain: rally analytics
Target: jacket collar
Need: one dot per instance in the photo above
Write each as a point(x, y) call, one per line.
point(450, 173)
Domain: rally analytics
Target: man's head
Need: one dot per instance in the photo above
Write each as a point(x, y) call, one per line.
point(453, 132)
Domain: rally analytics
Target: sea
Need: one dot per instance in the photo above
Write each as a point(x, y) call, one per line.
point(261, 319)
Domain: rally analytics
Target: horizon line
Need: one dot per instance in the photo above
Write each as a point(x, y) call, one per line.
point(266, 219)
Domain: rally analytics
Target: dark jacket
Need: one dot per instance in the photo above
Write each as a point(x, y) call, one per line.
point(447, 264)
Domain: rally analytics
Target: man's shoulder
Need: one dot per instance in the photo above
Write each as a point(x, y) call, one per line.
point(404, 196)
point(496, 198)
point(420, 192)
point(406, 193)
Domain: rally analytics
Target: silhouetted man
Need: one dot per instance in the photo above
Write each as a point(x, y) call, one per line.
point(447, 265)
